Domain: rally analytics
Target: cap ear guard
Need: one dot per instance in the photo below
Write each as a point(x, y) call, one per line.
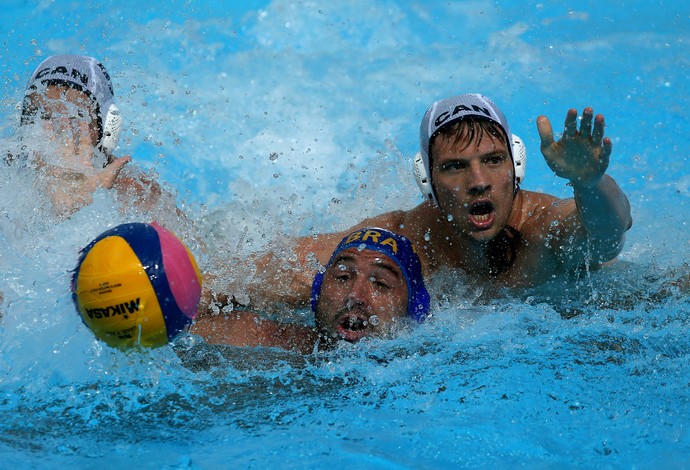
point(424, 181)
point(112, 127)
point(519, 158)
point(316, 289)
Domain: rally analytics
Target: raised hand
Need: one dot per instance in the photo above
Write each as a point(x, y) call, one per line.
point(580, 156)
point(71, 175)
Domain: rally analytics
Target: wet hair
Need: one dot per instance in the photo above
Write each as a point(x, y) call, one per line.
point(464, 132)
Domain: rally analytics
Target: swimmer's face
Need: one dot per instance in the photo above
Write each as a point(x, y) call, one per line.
point(474, 184)
point(69, 117)
point(363, 294)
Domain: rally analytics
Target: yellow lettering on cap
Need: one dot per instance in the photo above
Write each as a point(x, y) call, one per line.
point(392, 243)
point(354, 236)
point(371, 234)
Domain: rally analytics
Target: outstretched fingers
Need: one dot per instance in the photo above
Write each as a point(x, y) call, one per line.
point(570, 124)
point(604, 158)
point(112, 170)
point(586, 124)
point(598, 133)
point(545, 131)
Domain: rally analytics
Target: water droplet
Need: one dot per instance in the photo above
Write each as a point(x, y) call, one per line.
point(273, 156)
point(374, 320)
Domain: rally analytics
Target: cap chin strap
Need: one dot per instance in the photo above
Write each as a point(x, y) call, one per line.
point(112, 127)
point(421, 175)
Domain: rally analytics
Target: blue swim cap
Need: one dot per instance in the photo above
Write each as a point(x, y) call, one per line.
point(397, 248)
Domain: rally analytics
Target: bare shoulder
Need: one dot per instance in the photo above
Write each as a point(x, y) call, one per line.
point(394, 221)
point(322, 245)
point(413, 223)
point(531, 200)
point(535, 211)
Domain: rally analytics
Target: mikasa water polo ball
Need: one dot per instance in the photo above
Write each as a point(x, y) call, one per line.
point(136, 285)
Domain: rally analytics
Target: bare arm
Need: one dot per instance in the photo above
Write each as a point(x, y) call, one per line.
point(70, 176)
point(280, 278)
point(69, 190)
point(602, 214)
point(287, 280)
point(250, 330)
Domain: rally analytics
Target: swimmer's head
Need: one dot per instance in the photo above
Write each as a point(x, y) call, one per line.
point(86, 75)
point(373, 278)
point(443, 114)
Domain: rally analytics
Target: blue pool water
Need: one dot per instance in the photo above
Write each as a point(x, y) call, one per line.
point(285, 117)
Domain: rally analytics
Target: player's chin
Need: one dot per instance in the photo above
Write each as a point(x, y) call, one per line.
point(484, 235)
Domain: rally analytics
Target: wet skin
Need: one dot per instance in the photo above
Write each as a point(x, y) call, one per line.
point(363, 293)
point(474, 185)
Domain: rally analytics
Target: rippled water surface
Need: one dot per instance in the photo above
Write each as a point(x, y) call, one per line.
point(284, 117)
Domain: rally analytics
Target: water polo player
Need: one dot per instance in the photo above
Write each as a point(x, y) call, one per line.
point(372, 283)
point(74, 127)
point(475, 218)
point(362, 292)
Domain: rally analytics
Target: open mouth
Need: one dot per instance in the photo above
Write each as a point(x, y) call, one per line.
point(482, 214)
point(352, 326)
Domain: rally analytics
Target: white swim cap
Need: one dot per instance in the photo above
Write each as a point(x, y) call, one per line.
point(456, 108)
point(87, 75)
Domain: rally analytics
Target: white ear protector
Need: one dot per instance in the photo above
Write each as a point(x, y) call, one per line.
point(112, 127)
point(519, 158)
point(422, 178)
point(424, 181)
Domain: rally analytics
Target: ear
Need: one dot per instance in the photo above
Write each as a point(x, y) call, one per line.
point(112, 127)
point(423, 179)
